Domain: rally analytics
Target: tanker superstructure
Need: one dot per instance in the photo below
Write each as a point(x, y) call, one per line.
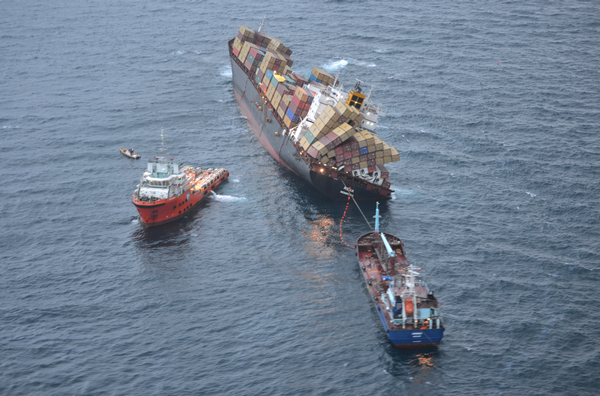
point(310, 125)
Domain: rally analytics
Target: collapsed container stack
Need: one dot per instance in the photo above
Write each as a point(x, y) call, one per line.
point(321, 76)
point(335, 139)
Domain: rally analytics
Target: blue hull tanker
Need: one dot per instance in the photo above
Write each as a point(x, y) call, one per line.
point(408, 310)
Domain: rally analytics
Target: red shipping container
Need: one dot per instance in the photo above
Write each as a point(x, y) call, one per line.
point(355, 167)
point(384, 172)
point(331, 136)
point(386, 184)
point(363, 157)
point(280, 89)
point(347, 148)
point(371, 156)
point(325, 141)
point(313, 152)
point(296, 100)
point(355, 146)
point(339, 151)
point(236, 52)
point(355, 153)
point(300, 79)
point(371, 162)
point(372, 168)
point(295, 109)
point(348, 162)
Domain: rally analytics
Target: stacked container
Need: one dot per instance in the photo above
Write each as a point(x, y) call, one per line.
point(321, 76)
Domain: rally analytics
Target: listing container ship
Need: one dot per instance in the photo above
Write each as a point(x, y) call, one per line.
point(310, 125)
point(408, 310)
point(168, 190)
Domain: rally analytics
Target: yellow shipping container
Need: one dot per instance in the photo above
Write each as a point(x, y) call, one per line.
point(362, 142)
point(320, 147)
point(331, 114)
point(304, 144)
point(344, 109)
point(246, 32)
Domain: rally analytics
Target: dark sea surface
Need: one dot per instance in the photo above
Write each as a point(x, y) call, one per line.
point(493, 106)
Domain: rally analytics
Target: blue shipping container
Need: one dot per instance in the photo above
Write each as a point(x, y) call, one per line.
point(313, 78)
point(364, 150)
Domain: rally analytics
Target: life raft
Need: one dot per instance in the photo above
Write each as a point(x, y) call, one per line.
point(408, 306)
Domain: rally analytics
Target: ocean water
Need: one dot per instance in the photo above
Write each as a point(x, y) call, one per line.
point(493, 106)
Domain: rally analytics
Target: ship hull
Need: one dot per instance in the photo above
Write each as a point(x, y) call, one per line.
point(271, 136)
point(156, 213)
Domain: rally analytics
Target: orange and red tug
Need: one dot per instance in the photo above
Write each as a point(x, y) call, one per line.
point(168, 191)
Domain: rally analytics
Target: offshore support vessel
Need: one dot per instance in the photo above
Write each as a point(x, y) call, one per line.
point(408, 310)
point(168, 191)
point(312, 126)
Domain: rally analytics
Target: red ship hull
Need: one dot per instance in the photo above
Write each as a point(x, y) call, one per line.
point(166, 210)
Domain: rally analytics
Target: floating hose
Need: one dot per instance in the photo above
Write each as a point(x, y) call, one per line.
point(342, 221)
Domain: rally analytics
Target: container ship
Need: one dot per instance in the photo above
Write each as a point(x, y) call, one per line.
point(168, 191)
point(310, 125)
point(408, 310)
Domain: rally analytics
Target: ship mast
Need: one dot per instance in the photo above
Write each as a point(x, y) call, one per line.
point(262, 24)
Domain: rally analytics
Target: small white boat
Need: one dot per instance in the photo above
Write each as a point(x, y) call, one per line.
point(130, 153)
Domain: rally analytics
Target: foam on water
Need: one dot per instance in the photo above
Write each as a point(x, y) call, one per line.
point(334, 66)
point(226, 71)
point(225, 198)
